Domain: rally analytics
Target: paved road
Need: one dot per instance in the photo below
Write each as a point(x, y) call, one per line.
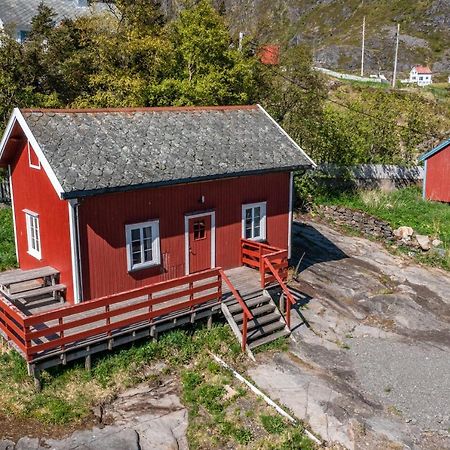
point(373, 371)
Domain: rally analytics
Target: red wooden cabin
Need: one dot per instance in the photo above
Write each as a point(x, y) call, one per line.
point(119, 200)
point(436, 183)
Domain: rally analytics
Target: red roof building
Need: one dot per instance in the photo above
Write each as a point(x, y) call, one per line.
point(436, 183)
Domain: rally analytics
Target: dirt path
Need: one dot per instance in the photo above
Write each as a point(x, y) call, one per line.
point(373, 371)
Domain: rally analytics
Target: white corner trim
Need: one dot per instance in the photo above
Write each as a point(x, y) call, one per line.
point(188, 217)
point(17, 116)
point(287, 135)
point(424, 181)
point(11, 191)
point(291, 201)
point(74, 251)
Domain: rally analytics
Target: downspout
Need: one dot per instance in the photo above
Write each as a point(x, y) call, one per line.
point(75, 250)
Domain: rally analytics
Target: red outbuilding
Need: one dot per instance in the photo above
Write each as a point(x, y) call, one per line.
point(119, 199)
point(436, 183)
point(143, 220)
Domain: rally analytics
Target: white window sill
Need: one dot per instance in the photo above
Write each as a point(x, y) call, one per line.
point(261, 240)
point(38, 256)
point(139, 267)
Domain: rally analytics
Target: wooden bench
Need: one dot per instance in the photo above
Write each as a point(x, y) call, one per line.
point(55, 290)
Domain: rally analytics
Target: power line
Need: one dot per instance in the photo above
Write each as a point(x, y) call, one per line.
point(355, 110)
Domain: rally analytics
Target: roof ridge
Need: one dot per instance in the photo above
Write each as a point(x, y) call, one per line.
point(141, 109)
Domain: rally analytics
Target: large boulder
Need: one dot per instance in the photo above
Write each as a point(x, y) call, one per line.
point(424, 242)
point(404, 233)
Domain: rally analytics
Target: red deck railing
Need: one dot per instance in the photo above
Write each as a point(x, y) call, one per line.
point(272, 263)
point(56, 329)
point(247, 315)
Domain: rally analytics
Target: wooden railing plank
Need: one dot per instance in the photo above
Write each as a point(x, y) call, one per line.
point(24, 331)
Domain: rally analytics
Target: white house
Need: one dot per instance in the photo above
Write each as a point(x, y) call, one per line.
point(420, 75)
point(16, 15)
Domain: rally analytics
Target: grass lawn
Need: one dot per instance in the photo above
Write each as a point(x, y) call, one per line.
point(222, 412)
point(7, 246)
point(404, 207)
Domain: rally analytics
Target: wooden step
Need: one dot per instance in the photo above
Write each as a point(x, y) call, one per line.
point(260, 321)
point(237, 308)
point(265, 330)
point(38, 292)
point(259, 311)
point(269, 338)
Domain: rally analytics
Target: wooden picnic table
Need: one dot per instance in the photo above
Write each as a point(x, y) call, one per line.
point(22, 276)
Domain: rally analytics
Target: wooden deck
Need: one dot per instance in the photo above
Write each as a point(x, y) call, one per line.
point(47, 333)
point(173, 314)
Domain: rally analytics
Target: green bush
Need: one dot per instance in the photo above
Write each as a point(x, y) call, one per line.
point(7, 245)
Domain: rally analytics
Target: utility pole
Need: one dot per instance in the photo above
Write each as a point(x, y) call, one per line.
point(363, 42)
point(394, 78)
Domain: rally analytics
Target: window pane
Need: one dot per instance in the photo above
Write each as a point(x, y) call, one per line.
point(136, 234)
point(136, 247)
point(148, 252)
point(257, 232)
point(148, 255)
point(147, 233)
point(137, 257)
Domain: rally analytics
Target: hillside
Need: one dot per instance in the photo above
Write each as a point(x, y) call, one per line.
point(333, 29)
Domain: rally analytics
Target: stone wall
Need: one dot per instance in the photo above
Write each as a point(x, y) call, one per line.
point(364, 223)
point(374, 176)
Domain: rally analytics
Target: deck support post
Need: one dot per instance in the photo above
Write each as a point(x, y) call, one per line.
point(282, 303)
point(36, 374)
point(88, 360)
point(209, 322)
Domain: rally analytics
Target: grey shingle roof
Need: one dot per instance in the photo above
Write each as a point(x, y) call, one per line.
point(97, 151)
point(20, 12)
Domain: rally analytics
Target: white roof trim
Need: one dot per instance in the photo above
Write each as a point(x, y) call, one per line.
point(18, 117)
point(287, 135)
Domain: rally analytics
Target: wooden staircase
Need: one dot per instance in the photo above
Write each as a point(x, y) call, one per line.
point(267, 324)
point(253, 316)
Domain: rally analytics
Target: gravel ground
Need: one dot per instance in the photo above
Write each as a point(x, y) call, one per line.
point(412, 381)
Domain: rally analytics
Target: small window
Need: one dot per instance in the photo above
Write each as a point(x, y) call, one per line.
point(33, 234)
point(143, 249)
point(199, 230)
point(33, 160)
point(254, 221)
point(23, 35)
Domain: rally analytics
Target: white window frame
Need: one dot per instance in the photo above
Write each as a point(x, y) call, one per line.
point(31, 216)
point(156, 247)
point(33, 166)
point(263, 224)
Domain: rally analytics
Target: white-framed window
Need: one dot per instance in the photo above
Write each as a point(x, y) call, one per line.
point(33, 159)
point(143, 248)
point(33, 234)
point(254, 221)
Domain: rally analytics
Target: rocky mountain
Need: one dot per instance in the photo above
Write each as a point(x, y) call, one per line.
point(333, 29)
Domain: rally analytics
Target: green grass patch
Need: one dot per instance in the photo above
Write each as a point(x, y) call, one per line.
point(69, 393)
point(403, 207)
point(7, 245)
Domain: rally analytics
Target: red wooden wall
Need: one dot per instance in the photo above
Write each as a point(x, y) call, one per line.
point(33, 190)
point(103, 219)
point(438, 176)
